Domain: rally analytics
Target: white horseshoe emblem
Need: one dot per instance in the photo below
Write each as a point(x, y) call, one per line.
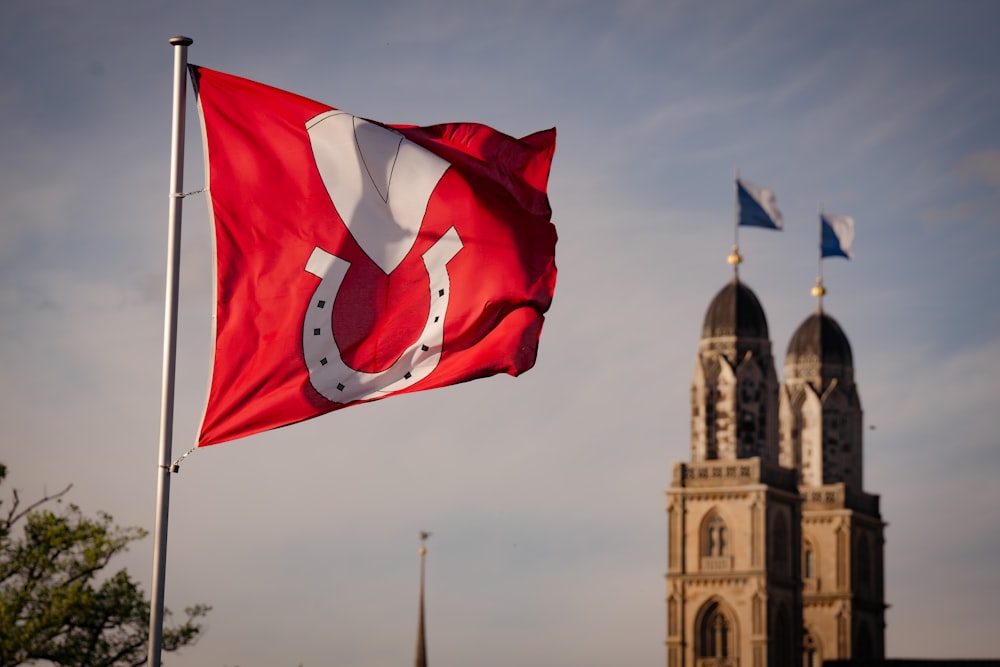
point(362, 164)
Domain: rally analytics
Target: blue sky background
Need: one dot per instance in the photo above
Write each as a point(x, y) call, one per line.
point(545, 492)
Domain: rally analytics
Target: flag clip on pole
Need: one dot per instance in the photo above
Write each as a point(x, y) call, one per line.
point(164, 469)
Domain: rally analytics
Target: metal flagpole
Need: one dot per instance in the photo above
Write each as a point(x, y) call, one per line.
point(734, 257)
point(819, 290)
point(180, 45)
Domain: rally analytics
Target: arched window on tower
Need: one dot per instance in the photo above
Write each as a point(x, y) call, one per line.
point(809, 566)
point(715, 547)
point(716, 537)
point(749, 414)
point(716, 634)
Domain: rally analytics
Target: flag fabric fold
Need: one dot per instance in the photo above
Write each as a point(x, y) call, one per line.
point(757, 207)
point(357, 260)
point(837, 236)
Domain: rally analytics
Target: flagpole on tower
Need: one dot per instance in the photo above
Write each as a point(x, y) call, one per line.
point(734, 257)
point(165, 468)
point(819, 290)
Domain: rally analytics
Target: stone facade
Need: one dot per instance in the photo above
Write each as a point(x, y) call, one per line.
point(733, 572)
point(842, 575)
point(775, 554)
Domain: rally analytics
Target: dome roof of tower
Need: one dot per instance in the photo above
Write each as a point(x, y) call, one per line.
point(819, 339)
point(735, 311)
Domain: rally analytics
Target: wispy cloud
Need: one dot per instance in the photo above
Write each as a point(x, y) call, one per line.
point(982, 167)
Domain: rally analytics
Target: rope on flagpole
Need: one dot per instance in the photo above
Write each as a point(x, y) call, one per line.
point(182, 195)
point(176, 465)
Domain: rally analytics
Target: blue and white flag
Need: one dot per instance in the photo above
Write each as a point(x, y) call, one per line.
point(837, 236)
point(758, 207)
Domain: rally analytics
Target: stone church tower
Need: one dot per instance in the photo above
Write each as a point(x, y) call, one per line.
point(842, 529)
point(774, 551)
point(734, 594)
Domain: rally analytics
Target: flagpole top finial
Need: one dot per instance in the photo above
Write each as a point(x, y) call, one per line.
point(423, 538)
point(818, 291)
point(735, 258)
point(181, 40)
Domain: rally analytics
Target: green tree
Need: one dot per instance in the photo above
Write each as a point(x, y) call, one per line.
point(57, 604)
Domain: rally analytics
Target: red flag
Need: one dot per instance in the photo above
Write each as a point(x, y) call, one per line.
point(357, 260)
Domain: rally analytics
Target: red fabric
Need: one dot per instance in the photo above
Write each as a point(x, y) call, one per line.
point(271, 208)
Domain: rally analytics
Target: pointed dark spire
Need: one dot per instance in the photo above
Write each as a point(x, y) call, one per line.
point(421, 659)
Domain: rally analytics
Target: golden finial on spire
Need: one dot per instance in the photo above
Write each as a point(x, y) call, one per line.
point(423, 538)
point(818, 291)
point(734, 260)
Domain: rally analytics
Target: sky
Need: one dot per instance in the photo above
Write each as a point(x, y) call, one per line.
point(544, 493)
